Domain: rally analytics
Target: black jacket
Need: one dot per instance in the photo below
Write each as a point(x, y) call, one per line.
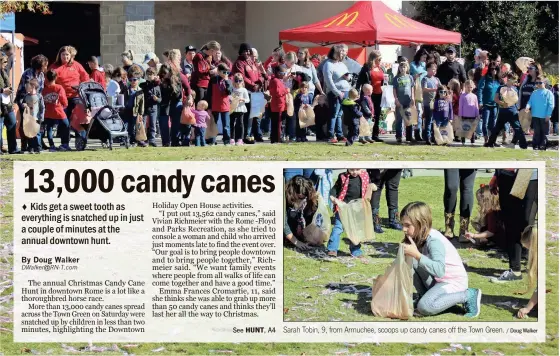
point(365, 76)
point(150, 89)
point(451, 70)
point(169, 96)
point(351, 111)
point(368, 114)
point(5, 83)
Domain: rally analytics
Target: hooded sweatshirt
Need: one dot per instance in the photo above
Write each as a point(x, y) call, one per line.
point(55, 101)
point(486, 90)
point(541, 103)
point(351, 110)
point(249, 71)
point(69, 75)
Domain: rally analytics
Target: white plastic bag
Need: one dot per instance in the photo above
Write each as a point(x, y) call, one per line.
point(356, 219)
point(258, 103)
point(317, 233)
point(387, 98)
point(392, 291)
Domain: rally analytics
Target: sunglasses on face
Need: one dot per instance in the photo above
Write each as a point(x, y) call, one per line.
point(282, 73)
point(134, 79)
point(225, 72)
point(442, 92)
point(539, 83)
point(531, 68)
point(239, 80)
point(300, 53)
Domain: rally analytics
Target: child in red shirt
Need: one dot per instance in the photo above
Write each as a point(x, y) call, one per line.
point(97, 74)
point(219, 90)
point(55, 100)
point(278, 93)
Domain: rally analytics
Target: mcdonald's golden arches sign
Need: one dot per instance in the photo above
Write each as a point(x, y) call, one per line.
point(399, 21)
point(344, 19)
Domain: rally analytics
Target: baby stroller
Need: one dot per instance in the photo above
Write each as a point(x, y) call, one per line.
point(101, 121)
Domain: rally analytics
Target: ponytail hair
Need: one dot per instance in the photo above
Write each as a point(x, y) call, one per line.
point(128, 54)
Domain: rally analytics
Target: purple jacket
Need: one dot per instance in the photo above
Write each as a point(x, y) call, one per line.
point(468, 105)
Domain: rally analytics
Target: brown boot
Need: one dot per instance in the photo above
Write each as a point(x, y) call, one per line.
point(449, 225)
point(463, 228)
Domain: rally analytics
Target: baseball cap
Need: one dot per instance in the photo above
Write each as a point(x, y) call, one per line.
point(190, 49)
point(149, 56)
point(451, 49)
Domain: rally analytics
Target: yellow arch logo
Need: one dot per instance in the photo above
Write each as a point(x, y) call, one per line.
point(399, 21)
point(343, 17)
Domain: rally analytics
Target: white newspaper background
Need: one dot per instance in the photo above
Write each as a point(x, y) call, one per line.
point(187, 265)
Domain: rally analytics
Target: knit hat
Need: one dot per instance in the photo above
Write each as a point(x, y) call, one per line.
point(451, 49)
point(244, 48)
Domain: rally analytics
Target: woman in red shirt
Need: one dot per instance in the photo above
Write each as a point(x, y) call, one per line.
point(203, 69)
point(373, 73)
point(69, 74)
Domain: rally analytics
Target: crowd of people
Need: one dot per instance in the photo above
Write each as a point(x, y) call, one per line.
point(505, 221)
point(340, 92)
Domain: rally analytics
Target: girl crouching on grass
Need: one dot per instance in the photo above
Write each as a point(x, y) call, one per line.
point(488, 224)
point(440, 277)
point(529, 240)
point(350, 185)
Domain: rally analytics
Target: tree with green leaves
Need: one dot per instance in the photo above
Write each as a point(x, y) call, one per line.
point(511, 29)
point(19, 6)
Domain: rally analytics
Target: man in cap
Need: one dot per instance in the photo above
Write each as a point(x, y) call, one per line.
point(151, 60)
point(187, 64)
point(253, 83)
point(451, 69)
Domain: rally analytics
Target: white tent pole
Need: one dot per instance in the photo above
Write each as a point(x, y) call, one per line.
point(13, 64)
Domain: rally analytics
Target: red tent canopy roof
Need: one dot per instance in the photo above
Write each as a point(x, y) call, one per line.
point(367, 23)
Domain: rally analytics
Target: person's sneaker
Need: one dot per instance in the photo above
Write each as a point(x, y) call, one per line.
point(64, 147)
point(153, 144)
point(259, 139)
point(332, 253)
point(377, 229)
point(369, 139)
point(342, 139)
point(473, 302)
point(362, 140)
point(399, 140)
point(347, 143)
point(377, 139)
point(142, 144)
point(333, 140)
point(298, 139)
point(239, 143)
point(232, 141)
point(52, 149)
point(507, 276)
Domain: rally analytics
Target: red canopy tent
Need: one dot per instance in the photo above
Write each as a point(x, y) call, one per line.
point(369, 23)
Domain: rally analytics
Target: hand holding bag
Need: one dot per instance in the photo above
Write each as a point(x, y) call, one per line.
point(140, 130)
point(356, 219)
point(289, 104)
point(30, 126)
point(187, 116)
point(392, 291)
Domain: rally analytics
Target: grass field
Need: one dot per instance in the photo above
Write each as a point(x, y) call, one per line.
point(314, 152)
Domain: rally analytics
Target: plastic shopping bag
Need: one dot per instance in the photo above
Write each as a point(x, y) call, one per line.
point(140, 131)
point(521, 183)
point(30, 126)
point(356, 219)
point(389, 120)
point(409, 115)
point(235, 100)
point(466, 127)
point(317, 233)
point(525, 119)
point(289, 104)
point(211, 128)
point(418, 95)
point(258, 103)
point(443, 134)
point(392, 291)
point(187, 116)
point(306, 116)
point(365, 129)
point(387, 98)
point(509, 96)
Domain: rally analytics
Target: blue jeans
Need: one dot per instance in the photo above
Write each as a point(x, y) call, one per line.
point(151, 128)
point(335, 123)
point(9, 120)
point(224, 117)
point(199, 136)
point(290, 173)
point(265, 121)
point(164, 130)
point(427, 133)
point(334, 240)
point(555, 128)
point(175, 113)
point(488, 118)
point(398, 123)
point(419, 107)
point(63, 127)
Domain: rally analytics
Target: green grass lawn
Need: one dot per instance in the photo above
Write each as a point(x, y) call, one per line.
point(321, 152)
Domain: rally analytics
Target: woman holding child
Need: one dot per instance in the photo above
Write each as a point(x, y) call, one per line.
point(373, 73)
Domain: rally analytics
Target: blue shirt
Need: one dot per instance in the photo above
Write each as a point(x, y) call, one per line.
point(486, 90)
point(131, 98)
point(418, 69)
point(26, 76)
point(541, 103)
